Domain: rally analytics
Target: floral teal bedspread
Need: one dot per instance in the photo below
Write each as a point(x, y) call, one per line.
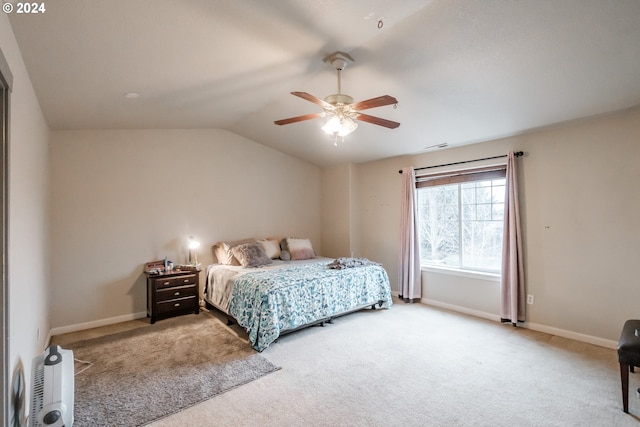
point(266, 303)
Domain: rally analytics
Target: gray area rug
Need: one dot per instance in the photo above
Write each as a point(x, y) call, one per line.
point(141, 375)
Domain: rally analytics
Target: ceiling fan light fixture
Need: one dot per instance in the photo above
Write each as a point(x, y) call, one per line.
point(339, 126)
point(340, 108)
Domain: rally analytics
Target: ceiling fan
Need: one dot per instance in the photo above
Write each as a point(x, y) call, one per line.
point(340, 108)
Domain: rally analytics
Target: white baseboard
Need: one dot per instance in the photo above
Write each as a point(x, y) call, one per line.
point(95, 324)
point(460, 309)
point(589, 339)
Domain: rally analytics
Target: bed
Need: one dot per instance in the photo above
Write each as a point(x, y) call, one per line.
point(283, 296)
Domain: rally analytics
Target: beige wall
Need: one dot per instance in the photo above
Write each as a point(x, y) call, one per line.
point(339, 191)
point(28, 214)
point(340, 211)
point(580, 208)
point(122, 198)
point(336, 211)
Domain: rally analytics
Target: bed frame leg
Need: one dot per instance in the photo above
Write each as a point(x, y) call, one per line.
point(380, 302)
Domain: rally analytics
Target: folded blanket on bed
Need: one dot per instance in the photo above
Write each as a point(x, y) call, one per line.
point(340, 263)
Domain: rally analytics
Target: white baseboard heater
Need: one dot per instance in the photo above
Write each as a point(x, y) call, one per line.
point(52, 387)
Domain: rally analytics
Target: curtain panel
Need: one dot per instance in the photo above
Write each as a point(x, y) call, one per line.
point(409, 275)
point(512, 307)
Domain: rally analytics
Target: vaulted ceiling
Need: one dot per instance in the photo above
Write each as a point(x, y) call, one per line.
point(463, 71)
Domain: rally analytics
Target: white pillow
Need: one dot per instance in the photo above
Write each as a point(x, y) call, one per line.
point(271, 247)
point(300, 248)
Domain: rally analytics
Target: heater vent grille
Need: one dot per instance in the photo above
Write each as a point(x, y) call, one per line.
point(37, 392)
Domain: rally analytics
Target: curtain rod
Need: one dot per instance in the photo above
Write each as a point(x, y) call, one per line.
point(517, 154)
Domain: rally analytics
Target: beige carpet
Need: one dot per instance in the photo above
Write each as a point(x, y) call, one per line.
point(133, 377)
point(414, 365)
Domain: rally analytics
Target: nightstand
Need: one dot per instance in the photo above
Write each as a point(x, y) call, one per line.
point(172, 294)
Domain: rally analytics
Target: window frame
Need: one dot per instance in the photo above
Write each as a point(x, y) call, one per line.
point(485, 173)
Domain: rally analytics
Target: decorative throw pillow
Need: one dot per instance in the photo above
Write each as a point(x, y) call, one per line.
point(250, 255)
point(300, 248)
point(283, 245)
point(271, 247)
point(285, 256)
point(224, 254)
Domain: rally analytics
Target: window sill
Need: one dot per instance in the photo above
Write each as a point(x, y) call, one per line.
point(491, 277)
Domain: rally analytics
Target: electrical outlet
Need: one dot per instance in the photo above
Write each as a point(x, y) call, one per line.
point(529, 299)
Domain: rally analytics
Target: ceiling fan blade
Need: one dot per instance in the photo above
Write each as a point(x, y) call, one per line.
point(309, 97)
point(377, 121)
point(298, 119)
point(374, 102)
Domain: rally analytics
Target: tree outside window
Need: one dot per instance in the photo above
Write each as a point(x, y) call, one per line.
point(461, 225)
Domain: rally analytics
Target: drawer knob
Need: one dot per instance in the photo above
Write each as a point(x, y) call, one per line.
point(166, 283)
point(185, 281)
point(176, 304)
point(177, 293)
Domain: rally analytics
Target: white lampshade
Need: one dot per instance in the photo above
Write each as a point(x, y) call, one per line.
point(193, 256)
point(193, 243)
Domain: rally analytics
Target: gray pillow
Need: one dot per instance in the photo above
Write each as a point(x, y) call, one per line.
point(285, 256)
point(251, 255)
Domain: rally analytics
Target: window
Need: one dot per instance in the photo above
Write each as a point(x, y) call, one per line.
point(460, 219)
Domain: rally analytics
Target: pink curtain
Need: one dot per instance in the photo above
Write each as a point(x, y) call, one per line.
point(409, 260)
point(512, 280)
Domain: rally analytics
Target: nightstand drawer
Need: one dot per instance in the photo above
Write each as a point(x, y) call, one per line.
point(186, 280)
point(182, 304)
point(164, 283)
point(175, 281)
point(176, 293)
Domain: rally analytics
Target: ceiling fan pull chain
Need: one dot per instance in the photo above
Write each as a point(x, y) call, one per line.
point(336, 135)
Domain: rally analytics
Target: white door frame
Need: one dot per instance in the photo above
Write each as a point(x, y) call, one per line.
point(6, 82)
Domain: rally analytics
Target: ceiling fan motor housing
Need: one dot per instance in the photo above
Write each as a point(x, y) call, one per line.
point(339, 99)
